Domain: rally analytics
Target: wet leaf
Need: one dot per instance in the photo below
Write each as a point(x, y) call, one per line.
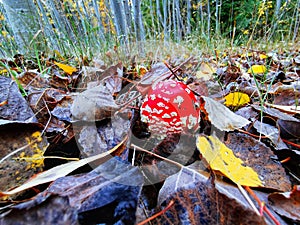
point(221, 117)
point(236, 99)
point(287, 204)
point(257, 69)
point(221, 158)
point(66, 68)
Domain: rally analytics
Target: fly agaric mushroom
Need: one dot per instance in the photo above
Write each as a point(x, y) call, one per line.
point(170, 107)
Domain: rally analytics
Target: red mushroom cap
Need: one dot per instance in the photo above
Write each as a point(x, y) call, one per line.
point(170, 107)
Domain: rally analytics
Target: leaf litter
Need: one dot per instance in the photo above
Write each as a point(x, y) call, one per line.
point(89, 107)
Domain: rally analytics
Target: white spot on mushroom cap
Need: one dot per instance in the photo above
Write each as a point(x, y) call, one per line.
point(166, 116)
point(179, 100)
point(173, 114)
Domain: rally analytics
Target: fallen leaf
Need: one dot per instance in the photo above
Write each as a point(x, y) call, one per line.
point(59, 171)
point(257, 69)
point(261, 158)
point(236, 99)
point(263, 56)
point(221, 117)
point(289, 129)
point(66, 68)
point(275, 113)
point(21, 154)
point(205, 71)
point(270, 132)
point(107, 195)
point(221, 158)
point(16, 107)
point(94, 104)
point(287, 204)
point(292, 109)
point(199, 200)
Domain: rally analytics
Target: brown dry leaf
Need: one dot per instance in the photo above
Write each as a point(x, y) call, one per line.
point(32, 79)
point(258, 156)
point(158, 71)
point(94, 104)
point(286, 95)
point(287, 204)
point(200, 201)
point(59, 171)
point(221, 117)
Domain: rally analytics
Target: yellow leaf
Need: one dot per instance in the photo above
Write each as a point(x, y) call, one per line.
point(257, 69)
point(66, 68)
point(236, 99)
point(263, 56)
point(3, 71)
point(222, 159)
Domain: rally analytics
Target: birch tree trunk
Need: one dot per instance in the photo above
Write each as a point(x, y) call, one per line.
point(138, 21)
point(119, 18)
point(278, 5)
point(24, 21)
point(188, 17)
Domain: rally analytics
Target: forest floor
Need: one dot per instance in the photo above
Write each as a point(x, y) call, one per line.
point(170, 136)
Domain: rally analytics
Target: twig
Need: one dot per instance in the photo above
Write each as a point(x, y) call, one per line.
point(171, 203)
point(264, 208)
point(156, 155)
point(244, 193)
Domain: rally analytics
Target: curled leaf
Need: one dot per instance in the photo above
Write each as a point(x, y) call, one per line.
point(236, 99)
point(257, 69)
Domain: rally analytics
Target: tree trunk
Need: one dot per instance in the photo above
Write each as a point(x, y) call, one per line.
point(24, 21)
point(138, 21)
point(278, 5)
point(117, 9)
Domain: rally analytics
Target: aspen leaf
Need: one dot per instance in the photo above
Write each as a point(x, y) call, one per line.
point(221, 158)
point(236, 99)
point(257, 69)
point(66, 68)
